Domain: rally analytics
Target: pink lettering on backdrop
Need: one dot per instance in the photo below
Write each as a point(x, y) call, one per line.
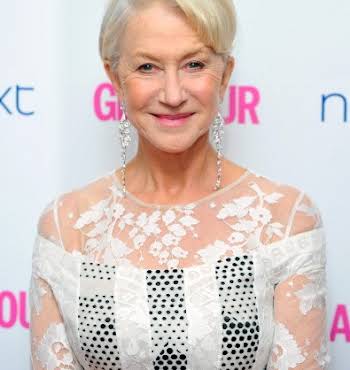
point(23, 310)
point(238, 101)
point(242, 99)
point(10, 299)
point(340, 324)
point(106, 109)
point(15, 309)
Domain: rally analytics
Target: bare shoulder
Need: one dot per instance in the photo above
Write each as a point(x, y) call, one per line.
point(294, 206)
point(58, 220)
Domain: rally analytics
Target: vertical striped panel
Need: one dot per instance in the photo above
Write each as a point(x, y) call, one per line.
point(166, 300)
point(132, 312)
point(240, 328)
point(204, 317)
point(96, 320)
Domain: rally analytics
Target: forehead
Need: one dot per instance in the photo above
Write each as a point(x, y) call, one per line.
point(161, 31)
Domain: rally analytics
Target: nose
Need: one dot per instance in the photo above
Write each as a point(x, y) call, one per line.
point(172, 92)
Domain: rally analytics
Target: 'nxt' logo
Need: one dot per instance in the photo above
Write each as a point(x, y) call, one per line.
point(11, 100)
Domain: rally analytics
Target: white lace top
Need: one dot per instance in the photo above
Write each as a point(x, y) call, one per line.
point(235, 280)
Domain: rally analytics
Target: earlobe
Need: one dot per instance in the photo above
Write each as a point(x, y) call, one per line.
point(114, 80)
point(107, 68)
point(229, 66)
point(110, 73)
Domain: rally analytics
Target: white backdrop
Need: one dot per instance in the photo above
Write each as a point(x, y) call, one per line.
point(289, 57)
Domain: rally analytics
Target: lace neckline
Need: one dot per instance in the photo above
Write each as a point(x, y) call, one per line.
point(190, 205)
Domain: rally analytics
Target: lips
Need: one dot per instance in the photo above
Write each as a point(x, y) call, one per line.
point(173, 116)
point(172, 120)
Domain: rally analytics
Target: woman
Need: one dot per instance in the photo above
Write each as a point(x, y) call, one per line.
point(180, 259)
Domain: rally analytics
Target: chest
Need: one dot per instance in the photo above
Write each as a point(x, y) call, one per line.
point(204, 317)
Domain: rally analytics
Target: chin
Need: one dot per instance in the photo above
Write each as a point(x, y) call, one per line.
point(174, 143)
point(172, 149)
point(172, 146)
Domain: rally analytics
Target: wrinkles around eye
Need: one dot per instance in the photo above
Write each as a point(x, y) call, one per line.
point(200, 66)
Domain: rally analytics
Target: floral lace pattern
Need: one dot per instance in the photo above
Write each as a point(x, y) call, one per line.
point(53, 351)
point(245, 217)
point(286, 352)
point(178, 222)
point(312, 295)
point(37, 290)
point(256, 216)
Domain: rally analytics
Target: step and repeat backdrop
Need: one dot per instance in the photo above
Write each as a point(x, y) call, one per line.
point(287, 117)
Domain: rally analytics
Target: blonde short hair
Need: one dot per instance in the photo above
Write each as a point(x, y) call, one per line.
point(213, 20)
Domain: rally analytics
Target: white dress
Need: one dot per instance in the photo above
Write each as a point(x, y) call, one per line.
point(235, 280)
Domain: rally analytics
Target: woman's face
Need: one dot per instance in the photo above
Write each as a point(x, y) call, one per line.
point(165, 69)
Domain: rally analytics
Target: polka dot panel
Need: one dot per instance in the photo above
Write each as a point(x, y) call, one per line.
point(90, 270)
point(169, 326)
point(240, 328)
point(97, 332)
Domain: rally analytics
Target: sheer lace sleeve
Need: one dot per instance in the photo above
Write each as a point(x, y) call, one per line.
point(300, 339)
point(50, 348)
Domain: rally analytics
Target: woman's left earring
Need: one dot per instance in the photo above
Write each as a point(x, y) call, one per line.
point(125, 138)
point(217, 133)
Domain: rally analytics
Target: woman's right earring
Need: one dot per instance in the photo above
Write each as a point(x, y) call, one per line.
point(125, 138)
point(217, 133)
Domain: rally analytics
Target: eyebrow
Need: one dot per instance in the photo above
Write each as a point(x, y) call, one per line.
point(145, 54)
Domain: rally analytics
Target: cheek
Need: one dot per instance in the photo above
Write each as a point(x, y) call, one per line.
point(205, 89)
point(139, 93)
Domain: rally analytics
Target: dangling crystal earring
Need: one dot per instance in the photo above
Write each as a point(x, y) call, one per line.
point(125, 138)
point(217, 134)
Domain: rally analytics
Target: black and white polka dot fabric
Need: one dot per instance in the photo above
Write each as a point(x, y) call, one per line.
point(166, 300)
point(169, 303)
point(239, 312)
point(97, 324)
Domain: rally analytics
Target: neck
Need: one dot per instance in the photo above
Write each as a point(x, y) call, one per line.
point(153, 170)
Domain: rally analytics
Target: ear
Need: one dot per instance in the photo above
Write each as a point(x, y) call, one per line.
point(113, 76)
point(229, 66)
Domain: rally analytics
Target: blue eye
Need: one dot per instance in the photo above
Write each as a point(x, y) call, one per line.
point(143, 65)
point(201, 65)
point(195, 64)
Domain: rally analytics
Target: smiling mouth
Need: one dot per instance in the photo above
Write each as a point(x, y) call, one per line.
point(172, 120)
point(173, 116)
